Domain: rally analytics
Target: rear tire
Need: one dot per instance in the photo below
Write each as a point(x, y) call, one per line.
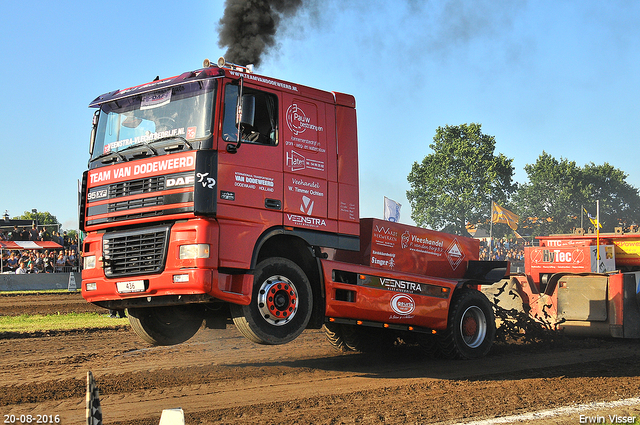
point(281, 303)
point(168, 325)
point(345, 338)
point(333, 332)
point(471, 328)
point(428, 345)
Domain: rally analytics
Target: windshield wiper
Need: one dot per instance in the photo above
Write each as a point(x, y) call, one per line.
point(172, 148)
point(137, 145)
point(111, 155)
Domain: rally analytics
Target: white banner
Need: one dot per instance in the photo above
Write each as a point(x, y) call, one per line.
point(391, 210)
point(155, 99)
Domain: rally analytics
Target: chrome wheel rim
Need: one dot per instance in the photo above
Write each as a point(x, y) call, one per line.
point(277, 300)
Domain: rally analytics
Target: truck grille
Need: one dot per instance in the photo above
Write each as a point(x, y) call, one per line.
point(136, 203)
point(136, 252)
point(136, 187)
point(152, 198)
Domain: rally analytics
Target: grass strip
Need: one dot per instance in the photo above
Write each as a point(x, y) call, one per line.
point(58, 322)
point(39, 291)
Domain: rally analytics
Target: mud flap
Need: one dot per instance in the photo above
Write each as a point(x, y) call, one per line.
point(486, 272)
point(504, 294)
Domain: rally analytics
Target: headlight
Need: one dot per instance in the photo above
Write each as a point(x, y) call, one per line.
point(190, 252)
point(180, 278)
point(89, 262)
point(91, 286)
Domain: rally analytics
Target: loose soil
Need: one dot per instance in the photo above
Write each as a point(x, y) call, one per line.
point(218, 377)
point(15, 304)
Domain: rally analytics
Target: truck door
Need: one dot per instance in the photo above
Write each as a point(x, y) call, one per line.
point(306, 167)
point(250, 197)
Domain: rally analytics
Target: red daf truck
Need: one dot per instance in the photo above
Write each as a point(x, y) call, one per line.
point(221, 194)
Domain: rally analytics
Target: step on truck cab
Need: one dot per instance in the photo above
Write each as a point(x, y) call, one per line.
point(222, 194)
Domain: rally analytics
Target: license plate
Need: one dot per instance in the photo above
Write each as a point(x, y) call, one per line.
point(131, 286)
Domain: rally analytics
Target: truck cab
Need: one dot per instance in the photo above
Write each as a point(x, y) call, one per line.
point(195, 179)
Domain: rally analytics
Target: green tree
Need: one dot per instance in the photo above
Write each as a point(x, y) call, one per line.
point(550, 202)
point(455, 184)
point(72, 234)
point(43, 218)
point(619, 201)
point(557, 190)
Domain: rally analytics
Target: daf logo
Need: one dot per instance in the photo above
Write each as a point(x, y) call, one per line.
point(180, 181)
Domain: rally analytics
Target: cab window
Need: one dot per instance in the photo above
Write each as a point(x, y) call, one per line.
point(257, 115)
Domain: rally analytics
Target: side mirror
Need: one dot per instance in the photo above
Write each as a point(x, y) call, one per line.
point(245, 115)
point(94, 130)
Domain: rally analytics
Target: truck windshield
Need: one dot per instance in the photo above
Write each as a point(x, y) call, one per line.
point(181, 112)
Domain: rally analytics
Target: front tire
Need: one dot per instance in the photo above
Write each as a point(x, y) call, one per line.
point(168, 325)
point(281, 303)
point(471, 328)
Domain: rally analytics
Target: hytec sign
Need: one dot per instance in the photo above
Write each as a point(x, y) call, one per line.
point(557, 255)
point(575, 259)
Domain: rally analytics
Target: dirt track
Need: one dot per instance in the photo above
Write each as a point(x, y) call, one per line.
point(219, 377)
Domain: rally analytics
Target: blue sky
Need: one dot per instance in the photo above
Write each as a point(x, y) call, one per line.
point(559, 76)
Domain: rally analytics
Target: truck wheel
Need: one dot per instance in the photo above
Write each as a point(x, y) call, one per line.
point(347, 338)
point(280, 306)
point(471, 328)
point(428, 344)
point(370, 340)
point(168, 325)
point(333, 332)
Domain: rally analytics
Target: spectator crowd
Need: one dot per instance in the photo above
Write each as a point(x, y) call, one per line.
point(26, 261)
point(504, 249)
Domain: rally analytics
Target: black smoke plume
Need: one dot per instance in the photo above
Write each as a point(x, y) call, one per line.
point(248, 27)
